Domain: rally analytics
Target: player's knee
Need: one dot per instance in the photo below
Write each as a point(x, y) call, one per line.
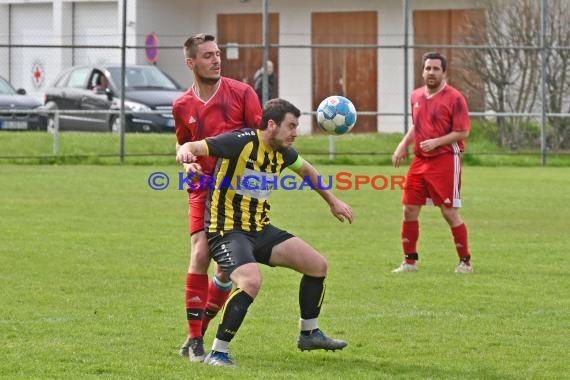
point(451, 216)
point(251, 285)
point(248, 278)
point(411, 212)
point(324, 266)
point(199, 260)
point(321, 267)
point(200, 254)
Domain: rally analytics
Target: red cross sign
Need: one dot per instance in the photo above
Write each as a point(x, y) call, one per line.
point(37, 74)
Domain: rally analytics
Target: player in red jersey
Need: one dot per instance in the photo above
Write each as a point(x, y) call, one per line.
point(440, 123)
point(213, 105)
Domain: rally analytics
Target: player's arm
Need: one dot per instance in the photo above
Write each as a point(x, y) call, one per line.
point(339, 209)
point(188, 152)
point(401, 151)
point(450, 138)
point(192, 168)
point(226, 145)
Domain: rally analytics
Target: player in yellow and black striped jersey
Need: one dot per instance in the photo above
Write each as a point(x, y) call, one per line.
point(238, 228)
point(246, 173)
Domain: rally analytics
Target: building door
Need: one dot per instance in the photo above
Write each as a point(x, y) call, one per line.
point(350, 72)
point(241, 64)
point(445, 27)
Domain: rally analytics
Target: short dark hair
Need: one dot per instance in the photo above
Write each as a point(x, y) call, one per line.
point(192, 43)
point(435, 55)
point(276, 109)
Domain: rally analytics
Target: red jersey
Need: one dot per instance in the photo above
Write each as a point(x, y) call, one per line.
point(233, 106)
point(438, 115)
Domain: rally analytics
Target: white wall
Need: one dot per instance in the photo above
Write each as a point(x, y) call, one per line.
point(53, 22)
point(100, 22)
point(62, 35)
point(96, 23)
point(4, 39)
point(172, 24)
point(31, 24)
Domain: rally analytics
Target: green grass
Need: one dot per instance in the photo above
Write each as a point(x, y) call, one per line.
point(158, 149)
point(92, 266)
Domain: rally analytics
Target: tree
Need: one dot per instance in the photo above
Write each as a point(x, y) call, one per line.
point(558, 72)
point(512, 76)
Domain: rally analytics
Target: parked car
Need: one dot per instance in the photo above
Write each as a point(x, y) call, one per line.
point(98, 88)
point(11, 100)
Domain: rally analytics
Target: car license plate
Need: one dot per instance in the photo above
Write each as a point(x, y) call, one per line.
point(13, 124)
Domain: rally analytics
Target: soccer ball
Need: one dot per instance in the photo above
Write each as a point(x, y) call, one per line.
point(336, 115)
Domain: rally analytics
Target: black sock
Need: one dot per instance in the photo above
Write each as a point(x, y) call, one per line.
point(411, 256)
point(233, 313)
point(311, 295)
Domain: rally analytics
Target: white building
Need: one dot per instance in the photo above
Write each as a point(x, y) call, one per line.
point(372, 78)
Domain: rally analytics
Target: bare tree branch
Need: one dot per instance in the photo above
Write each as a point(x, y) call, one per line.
point(512, 77)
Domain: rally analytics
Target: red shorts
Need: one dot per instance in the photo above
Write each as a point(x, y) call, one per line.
point(434, 181)
point(196, 208)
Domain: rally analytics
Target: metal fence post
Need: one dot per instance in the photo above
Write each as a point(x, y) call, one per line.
point(331, 147)
point(406, 63)
point(123, 72)
point(56, 132)
point(264, 78)
point(543, 80)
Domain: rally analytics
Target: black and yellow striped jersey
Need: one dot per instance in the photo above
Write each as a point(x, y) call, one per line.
point(246, 173)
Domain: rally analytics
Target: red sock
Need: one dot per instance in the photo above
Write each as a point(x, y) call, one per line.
point(410, 235)
point(196, 295)
point(460, 239)
point(217, 296)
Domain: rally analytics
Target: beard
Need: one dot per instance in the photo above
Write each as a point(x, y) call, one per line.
point(279, 144)
point(435, 85)
point(274, 143)
point(206, 80)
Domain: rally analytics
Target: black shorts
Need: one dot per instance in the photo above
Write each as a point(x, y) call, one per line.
point(233, 249)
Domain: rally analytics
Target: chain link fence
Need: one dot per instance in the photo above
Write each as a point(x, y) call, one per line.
point(511, 61)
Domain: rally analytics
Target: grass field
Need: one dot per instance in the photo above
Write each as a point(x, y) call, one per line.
point(92, 266)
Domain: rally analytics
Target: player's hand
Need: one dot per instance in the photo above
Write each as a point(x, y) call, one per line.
point(341, 210)
point(399, 156)
point(194, 171)
point(185, 157)
point(429, 145)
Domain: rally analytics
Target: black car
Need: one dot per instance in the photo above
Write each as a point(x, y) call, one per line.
point(12, 100)
point(92, 88)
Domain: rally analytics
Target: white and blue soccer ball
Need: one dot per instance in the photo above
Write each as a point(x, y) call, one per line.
point(336, 115)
